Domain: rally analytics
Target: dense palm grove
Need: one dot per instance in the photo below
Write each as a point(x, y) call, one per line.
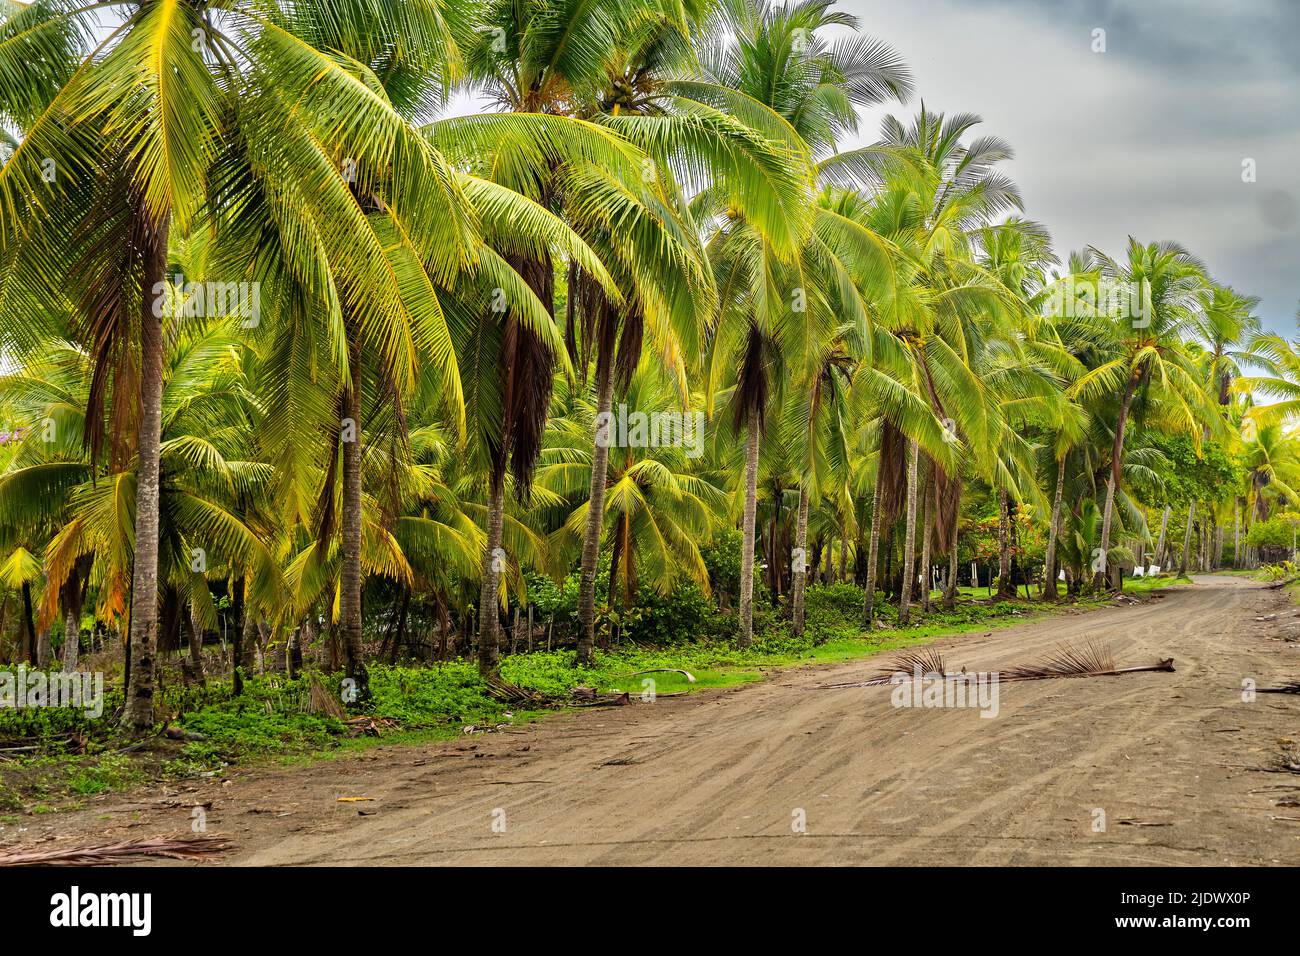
point(298, 363)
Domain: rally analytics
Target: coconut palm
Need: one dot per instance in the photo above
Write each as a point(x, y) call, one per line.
point(659, 507)
point(778, 313)
point(1151, 301)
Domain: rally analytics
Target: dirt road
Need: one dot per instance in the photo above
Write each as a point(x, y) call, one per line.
point(1177, 763)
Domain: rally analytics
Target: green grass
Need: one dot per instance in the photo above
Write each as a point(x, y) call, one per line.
point(1146, 585)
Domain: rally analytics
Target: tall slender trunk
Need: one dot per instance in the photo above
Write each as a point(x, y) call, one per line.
point(595, 510)
point(799, 567)
point(236, 637)
point(246, 660)
point(1054, 530)
point(950, 586)
point(72, 600)
point(873, 550)
point(293, 652)
point(71, 637)
point(1160, 545)
point(746, 636)
point(350, 569)
point(44, 652)
point(775, 566)
point(138, 709)
point(489, 604)
point(1006, 589)
point(1187, 539)
point(927, 515)
point(616, 557)
point(28, 651)
point(193, 666)
point(844, 556)
point(1236, 534)
point(1116, 467)
point(909, 539)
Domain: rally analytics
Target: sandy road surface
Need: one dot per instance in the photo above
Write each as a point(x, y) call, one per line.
point(1176, 761)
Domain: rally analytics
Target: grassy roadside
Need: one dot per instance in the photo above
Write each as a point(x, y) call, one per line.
point(71, 759)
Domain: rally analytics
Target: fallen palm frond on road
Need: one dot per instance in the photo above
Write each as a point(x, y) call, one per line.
point(1089, 660)
point(1292, 688)
point(193, 848)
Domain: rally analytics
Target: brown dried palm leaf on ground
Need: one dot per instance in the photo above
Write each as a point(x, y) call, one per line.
point(192, 848)
point(1088, 660)
point(928, 662)
point(1292, 688)
point(587, 697)
point(508, 693)
point(321, 701)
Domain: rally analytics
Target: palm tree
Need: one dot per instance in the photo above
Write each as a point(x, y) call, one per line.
point(143, 117)
point(781, 311)
point(211, 498)
point(659, 506)
point(1159, 304)
point(950, 312)
point(630, 87)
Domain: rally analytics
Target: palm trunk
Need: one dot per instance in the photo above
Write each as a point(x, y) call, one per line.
point(1116, 467)
point(1006, 590)
point(27, 650)
point(909, 539)
point(1236, 534)
point(1187, 539)
point(293, 653)
point(844, 557)
point(247, 658)
point(595, 511)
point(616, 557)
point(873, 553)
point(43, 650)
point(71, 637)
point(746, 636)
point(489, 614)
point(71, 620)
point(950, 586)
point(926, 517)
point(193, 667)
point(236, 639)
point(800, 567)
point(1054, 529)
point(307, 635)
point(138, 709)
point(1160, 545)
point(350, 570)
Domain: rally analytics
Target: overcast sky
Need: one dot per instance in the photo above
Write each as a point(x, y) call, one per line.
point(1146, 139)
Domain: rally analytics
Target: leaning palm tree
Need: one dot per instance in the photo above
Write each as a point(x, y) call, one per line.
point(950, 310)
point(1150, 302)
point(777, 312)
